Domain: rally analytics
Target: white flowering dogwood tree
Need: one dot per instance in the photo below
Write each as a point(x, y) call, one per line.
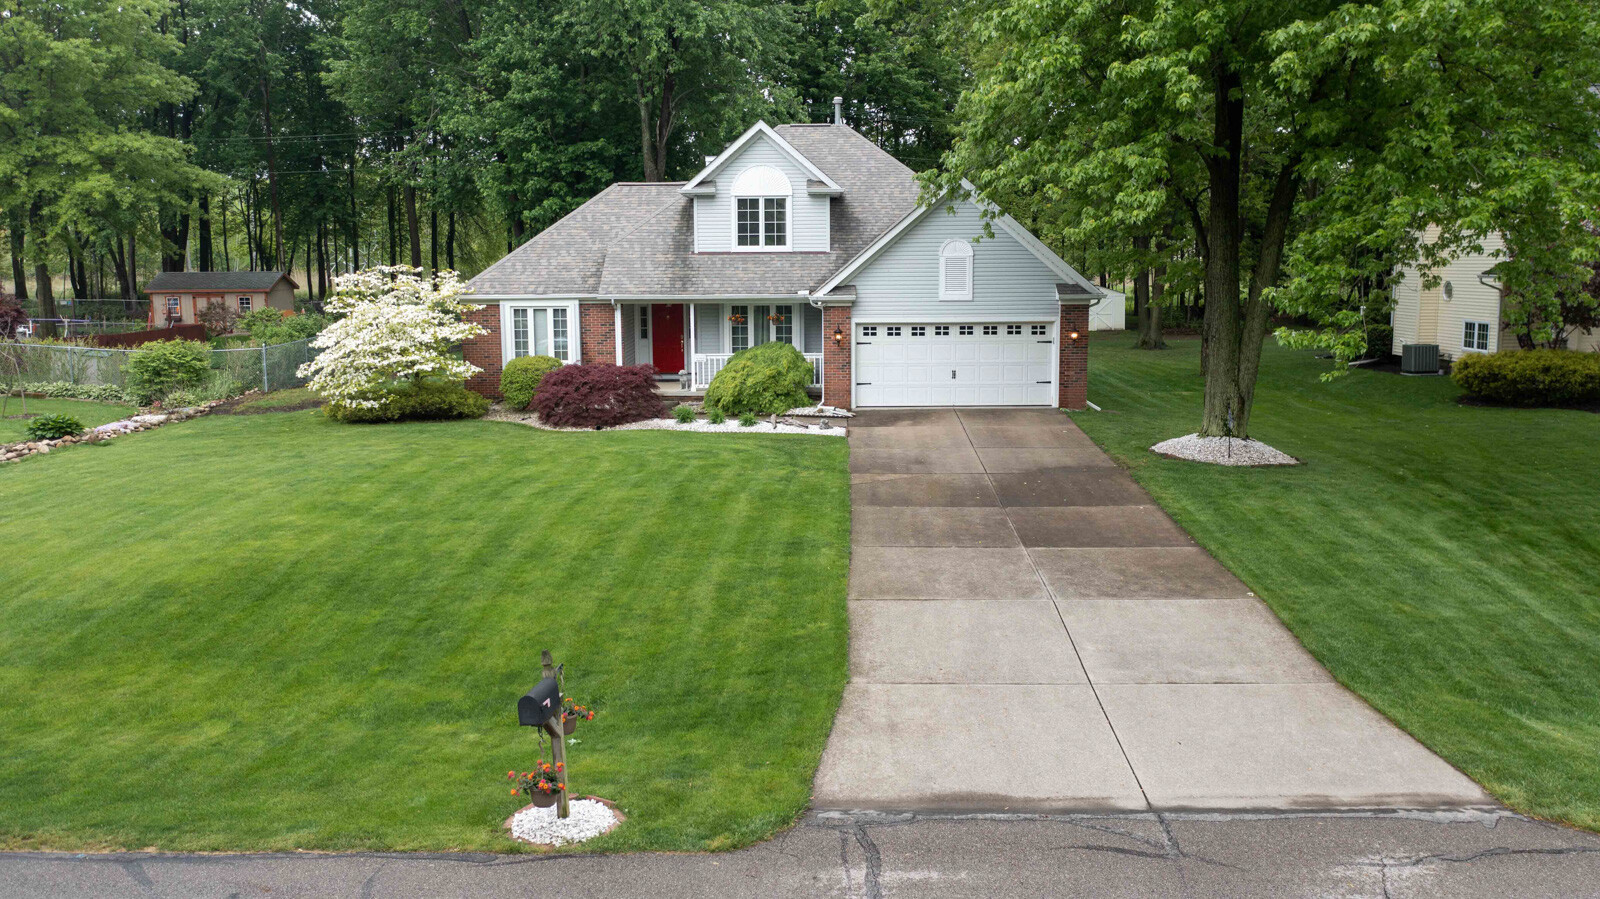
point(395, 327)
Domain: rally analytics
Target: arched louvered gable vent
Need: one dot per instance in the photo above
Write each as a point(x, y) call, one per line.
point(955, 271)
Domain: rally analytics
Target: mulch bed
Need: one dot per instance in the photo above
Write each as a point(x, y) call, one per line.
point(238, 406)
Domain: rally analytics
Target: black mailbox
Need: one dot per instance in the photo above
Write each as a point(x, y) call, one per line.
point(544, 700)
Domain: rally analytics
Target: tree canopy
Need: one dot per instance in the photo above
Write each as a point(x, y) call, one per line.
point(1301, 143)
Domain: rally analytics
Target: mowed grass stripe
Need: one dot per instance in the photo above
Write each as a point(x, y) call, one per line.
point(311, 635)
point(1441, 560)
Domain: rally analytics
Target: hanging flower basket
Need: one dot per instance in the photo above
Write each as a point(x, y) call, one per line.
point(775, 318)
point(736, 319)
point(572, 713)
point(541, 784)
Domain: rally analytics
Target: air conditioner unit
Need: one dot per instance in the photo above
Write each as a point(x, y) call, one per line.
point(1419, 359)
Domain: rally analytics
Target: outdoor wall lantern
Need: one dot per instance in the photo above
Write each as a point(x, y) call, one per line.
point(1072, 335)
point(838, 336)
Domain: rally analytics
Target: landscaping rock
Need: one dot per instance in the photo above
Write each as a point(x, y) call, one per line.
point(1223, 451)
point(586, 819)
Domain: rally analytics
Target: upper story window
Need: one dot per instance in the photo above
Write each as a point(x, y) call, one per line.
point(761, 209)
point(955, 271)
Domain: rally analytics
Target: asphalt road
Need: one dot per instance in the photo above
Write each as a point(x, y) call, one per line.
point(1390, 854)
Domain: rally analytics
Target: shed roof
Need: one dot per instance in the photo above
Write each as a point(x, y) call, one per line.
point(192, 281)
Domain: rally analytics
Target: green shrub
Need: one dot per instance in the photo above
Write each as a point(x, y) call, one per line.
point(766, 379)
point(428, 400)
point(104, 393)
point(521, 378)
point(684, 414)
point(1530, 377)
point(716, 416)
point(271, 326)
point(162, 366)
point(54, 427)
point(747, 420)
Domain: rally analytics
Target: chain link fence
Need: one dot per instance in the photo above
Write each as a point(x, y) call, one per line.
point(265, 368)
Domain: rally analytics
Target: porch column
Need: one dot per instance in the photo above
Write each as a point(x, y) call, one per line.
point(1074, 374)
point(617, 330)
point(837, 355)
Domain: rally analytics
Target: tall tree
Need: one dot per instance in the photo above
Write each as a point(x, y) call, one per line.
point(699, 71)
point(1285, 130)
point(78, 81)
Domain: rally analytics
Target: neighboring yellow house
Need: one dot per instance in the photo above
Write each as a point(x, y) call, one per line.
point(1462, 313)
point(176, 298)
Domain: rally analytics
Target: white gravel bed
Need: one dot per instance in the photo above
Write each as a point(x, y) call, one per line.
point(1223, 451)
point(586, 819)
point(731, 426)
point(820, 411)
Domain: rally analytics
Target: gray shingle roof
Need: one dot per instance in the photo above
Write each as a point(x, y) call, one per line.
point(1067, 290)
point(187, 281)
point(638, 239)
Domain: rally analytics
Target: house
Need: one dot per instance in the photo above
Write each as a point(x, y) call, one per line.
point(810, 235)
point(1111, 313)
point(1461, 314)
point(176, 298)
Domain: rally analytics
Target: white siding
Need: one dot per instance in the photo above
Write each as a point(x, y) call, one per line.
point(808, 215)
point(1423, 315)
point(708, 328)
point(902, 283)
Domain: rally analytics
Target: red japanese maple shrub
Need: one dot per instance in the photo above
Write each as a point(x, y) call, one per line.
point(597, 396)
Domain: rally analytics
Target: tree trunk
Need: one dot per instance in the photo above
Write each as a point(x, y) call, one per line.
point(1148, 315)
point(355, 221)
point(322, 262)
point(413, 233)
point(394, 227)
point(450, 242)
point(272, 162)
point(76, 275)
point(19, 265)
point(433, 238)
point(42, 286)
point(204, 263)
point(133, 264)
point(119, 266)
point(1222, 415)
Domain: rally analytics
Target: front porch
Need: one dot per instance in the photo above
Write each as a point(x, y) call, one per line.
point(693, 341)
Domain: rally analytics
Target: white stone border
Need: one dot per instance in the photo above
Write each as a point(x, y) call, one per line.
point(147, 421)
point(770, 425)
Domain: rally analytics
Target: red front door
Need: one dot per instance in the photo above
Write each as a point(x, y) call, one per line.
point(666, 338)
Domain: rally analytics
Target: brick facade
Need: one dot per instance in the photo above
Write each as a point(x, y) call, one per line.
point(484, 352)
point(597, 332)
point(1074, 357)
point(837, 377)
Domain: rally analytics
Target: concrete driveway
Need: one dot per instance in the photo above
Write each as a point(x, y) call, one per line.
point(1029, 632)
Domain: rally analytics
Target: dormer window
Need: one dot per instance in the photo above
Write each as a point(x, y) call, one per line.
point(761, 210)
point(955, 271)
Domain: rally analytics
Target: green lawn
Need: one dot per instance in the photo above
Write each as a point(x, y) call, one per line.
point(91, 414)
point(1443, 561)
point(273, 631)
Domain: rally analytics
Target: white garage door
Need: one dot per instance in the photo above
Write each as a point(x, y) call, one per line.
point(956, 365)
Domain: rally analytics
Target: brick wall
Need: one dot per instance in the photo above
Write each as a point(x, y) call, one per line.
point(484, 352)
point(597, 332)
point(836, 373)
point(1074, 357)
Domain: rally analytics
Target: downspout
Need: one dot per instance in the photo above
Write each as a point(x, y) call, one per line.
point(616, 327)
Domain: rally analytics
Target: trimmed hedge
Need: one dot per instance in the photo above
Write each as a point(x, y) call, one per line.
point(1530, 377)
point(430, 400)
point(769, 379)
point(597, 396)
point(521, 378)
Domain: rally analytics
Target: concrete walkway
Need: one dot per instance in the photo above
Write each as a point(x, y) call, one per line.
point(1029, 632)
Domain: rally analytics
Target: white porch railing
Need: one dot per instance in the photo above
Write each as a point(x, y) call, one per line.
point(706, 365)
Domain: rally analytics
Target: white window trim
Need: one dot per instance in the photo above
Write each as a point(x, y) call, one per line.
point(507, 347)
point(788, 223)
point(1489, 329)
point(959, 248)
point(796, 323)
